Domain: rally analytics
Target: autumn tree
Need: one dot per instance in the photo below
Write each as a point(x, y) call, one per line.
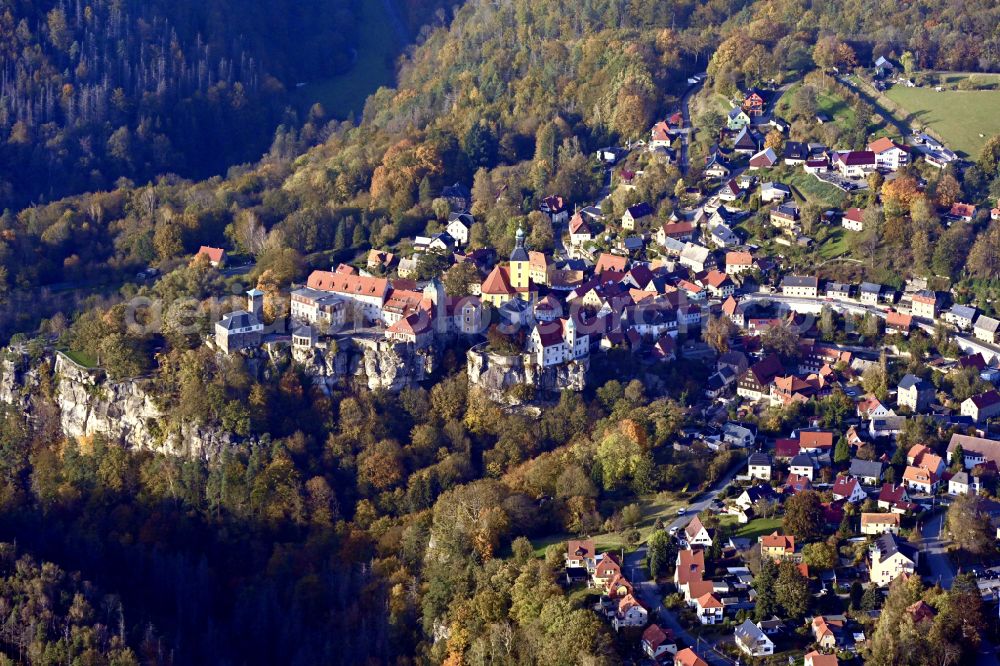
point(717, 332)
point(804, 515)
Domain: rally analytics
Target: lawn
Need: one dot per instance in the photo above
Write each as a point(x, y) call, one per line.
point(835, 244)
point(755, 528)
point(80, 358)
point(659, 505)
point(346, 93)
point(965, 119)
point(808, 187)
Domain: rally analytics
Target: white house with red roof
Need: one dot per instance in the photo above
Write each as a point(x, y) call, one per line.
point(853, 219)
point(216, 255)
point(708, 608)
point(630, 613)
point(697, 534)
point(557, 341)
point(657, 642)
point(889, 155)
point(848, 488)
point(982, 407)
point(854, 163)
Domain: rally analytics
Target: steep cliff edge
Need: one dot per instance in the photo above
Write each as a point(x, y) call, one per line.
point(498, 375)
point(126, 412)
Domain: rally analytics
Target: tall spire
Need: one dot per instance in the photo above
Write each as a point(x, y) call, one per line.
point(519, 253)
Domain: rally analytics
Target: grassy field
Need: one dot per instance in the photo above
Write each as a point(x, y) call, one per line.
point(80, 358)
point(831, 105)
point(378, 47)
point(755, 528)
point(960, 117)
point(660, 505)
point(809, 188)
point(835, 244)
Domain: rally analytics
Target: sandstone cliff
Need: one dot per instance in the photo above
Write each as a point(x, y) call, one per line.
point(498, 374)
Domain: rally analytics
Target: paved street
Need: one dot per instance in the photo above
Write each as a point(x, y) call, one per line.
point(635, 569)
point(934, 551)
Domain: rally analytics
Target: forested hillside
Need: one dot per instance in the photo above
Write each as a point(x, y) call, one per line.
point(97, 90)
point(330, 533)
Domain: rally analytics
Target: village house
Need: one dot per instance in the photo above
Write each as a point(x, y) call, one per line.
point(770, 192)
point(869, 293)
point(630, 613)
point(920, 479)
point(764, 159)
point(962, 212)
point(690, 567)
point(960, 316)
point(580, 554)
point(579, 231)
point(893, 498)
point(785, 216)
point(723, 236)
point(738, 263)
point(847, 488)
point(795, 153)
point(854, 163)
point(975, 450)
point(889, 155)
point(800, 286)
point(924, 304)
point(827, 630)
point(853, 219)
point(982, 407)
point(750, 496)
point(637, 216)
point(556, 208)
point(803, 465)
point(838, 290)
point(816, 658)
point(752, 640)
point(716, 166)
point(680, 231)
point(216, 256)
point(869, 472)
point(708, 608)
point(688, 657)
point(874, 524)
point(730, 191)
point(719, 284)
point(777, 546)
point(696, 257)
point(753, 104)
point(459, 227)
point(759, 466)
point(736, 434)
point(737, 119)
point(657, 642)
point(963, 483)
point(747, 141)
point(755, 383)
point(915, 393)
point(986, 329)
point(697, 534)
point(897, 322)
point(890, 556)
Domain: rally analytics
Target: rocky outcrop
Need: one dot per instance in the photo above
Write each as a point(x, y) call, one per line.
point(499, 376)
point(125, 412)
point(393, 366)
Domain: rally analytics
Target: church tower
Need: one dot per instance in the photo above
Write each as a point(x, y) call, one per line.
point(520, 265)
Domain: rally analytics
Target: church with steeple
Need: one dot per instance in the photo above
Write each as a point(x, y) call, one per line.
point(520, 277)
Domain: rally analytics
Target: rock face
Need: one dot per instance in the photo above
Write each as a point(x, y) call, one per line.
point(497, 374)
point(125, 412)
